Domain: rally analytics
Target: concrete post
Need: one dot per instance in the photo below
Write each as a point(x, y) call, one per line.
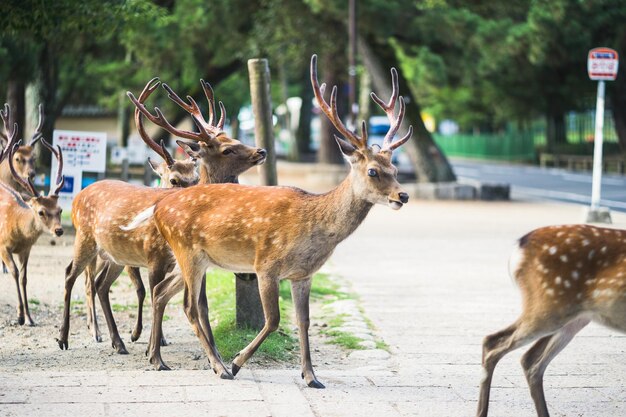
point(249, 310)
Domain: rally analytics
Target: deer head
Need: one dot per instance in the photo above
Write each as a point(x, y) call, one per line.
point(222, 157)
point(374, 177)
point(173, 173)
point(24, 157)
point(46, 210)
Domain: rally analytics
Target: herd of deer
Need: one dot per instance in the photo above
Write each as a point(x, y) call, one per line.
point(568, 275)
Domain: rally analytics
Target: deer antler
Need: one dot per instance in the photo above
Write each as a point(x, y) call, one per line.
point(10, 136)
point(26, 184)
point(152, 85)
point(37, 134)
point(59, 156)
point(388, 108)
point(206, 132)
point(331, 110)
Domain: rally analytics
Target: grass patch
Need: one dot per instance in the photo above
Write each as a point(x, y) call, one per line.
point(323, 288)
point(166, 317)
point(123, 307)
point(34, 301)
point(346, 340)
point(279, 346)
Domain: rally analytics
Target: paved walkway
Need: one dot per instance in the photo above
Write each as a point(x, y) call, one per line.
point(433, 279)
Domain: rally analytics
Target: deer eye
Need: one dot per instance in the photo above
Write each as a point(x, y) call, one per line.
point(174, 182)
point(227, 151)
point(41, 213)
point(372, 172)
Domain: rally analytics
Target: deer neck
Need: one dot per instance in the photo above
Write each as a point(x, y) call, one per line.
point(215, 176)
point(340, 211)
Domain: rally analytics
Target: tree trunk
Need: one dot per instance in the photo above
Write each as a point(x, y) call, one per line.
point(430, 164)
point(16, 93)
point(303, 132)
point(329, 152)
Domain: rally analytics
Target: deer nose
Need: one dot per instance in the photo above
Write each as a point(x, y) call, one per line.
point(31, 174)
point(262, 152)
point(58, 231)
point(404, 197)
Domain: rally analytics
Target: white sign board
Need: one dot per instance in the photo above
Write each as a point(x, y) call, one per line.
point(602, 64)
point(84, 151)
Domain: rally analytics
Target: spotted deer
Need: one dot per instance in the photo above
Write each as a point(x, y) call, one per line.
point(24, 159)
point(99, 210)
point(23, 220)
point(172, 173)
point(568, 276)
point(275, 232)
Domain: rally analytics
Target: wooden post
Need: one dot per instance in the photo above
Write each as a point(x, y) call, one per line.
point(248, 301)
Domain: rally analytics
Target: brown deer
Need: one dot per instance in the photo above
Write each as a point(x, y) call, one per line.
point(275, 232)
point(172, 173)
point(99, 210)
point(569, 276)
point(24, 158)
point(22, 221)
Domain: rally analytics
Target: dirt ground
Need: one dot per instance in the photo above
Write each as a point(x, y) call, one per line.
point(24, 348)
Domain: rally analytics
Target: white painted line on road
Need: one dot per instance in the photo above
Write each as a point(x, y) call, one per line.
point(561, 195)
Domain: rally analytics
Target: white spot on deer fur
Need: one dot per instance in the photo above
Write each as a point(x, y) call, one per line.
point(575, 275)
point(545, 247)
point(552, 250)
point(550, 291)
point(592, 252)
point(579, 264)
point(567, 284)
point(568, 240)
point(595, 232)
point(557, 280)
point(545, 284)
point(585, 242)
point(559, 234)
point(579, 295)
point(603, 250)
point(563, 258)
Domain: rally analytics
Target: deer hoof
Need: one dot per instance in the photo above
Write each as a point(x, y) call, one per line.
point(163, 367)
point(226, 375)
point(97, 338)
point(134, 336)
point(316, 384)
point(21, 321)
point(63, 345)
point(235, 369)
point(120, 348)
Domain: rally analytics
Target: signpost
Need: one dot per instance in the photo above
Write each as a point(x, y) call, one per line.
point(82, 151)
point(602, 65)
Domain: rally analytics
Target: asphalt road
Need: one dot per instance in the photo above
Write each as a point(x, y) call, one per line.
point(546, 183)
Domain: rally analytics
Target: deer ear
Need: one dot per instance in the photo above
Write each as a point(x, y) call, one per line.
point(191, 148)
point(154, 167)
point(346, 147)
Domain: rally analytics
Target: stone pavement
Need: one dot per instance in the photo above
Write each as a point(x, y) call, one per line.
point(433, 279)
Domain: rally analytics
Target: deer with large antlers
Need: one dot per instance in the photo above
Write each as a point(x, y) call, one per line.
point(276, 232)
point(569, 276)
point(172, 173)
point(22, 221)
point(100, 209)
point(24, 157)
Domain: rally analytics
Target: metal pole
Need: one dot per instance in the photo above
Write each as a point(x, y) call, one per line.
point(354, 109)
point(597, 149)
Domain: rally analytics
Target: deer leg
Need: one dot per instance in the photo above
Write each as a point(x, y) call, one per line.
point(90, 293)
point(497, 345)
point(161, 294)
point(4, 268)
point(539, 356)
point(135, 277)
point(192, 294)
point(7, 258)
point(23, 258)
point(268, 289)
point(300, 291)
point(103, 284)
point(84, 253)
point(203, 306)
